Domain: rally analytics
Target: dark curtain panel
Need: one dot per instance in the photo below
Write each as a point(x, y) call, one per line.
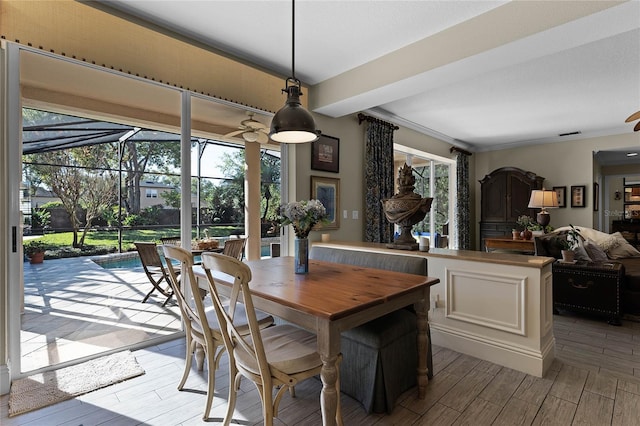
point(379, 175)
point(463, 212)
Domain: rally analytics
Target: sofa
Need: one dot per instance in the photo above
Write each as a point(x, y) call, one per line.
point(605, 277)
point(379, 358)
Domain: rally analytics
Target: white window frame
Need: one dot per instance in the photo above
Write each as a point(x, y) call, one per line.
point(434, 159)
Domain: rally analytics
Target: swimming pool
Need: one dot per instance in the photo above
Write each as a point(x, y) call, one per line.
point(132, 261)
point(128, 260)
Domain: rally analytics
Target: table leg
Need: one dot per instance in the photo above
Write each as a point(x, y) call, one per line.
point(422, 310)
point(329, 396)
point(329, 348)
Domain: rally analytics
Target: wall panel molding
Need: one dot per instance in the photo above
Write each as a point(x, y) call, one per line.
point(465, 288)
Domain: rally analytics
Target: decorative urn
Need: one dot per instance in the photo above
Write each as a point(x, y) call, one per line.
point(405, 209)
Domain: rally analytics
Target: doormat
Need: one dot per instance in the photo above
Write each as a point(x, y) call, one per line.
point(51, 387)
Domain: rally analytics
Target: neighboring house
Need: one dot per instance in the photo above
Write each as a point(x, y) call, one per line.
point(41, 197)
point(150, 195)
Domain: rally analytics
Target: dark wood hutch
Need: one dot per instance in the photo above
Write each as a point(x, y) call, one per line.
point(505, 194)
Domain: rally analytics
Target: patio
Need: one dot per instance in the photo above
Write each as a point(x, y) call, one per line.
point(75, 308)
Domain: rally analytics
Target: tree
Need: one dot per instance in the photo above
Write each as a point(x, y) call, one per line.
point(65, 182)
point(440, 203)
point(270, 178)
point(101, 192)
point(138, 157)
point(71, 175)
point(228, 197)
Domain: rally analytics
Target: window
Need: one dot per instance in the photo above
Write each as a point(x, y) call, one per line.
point(435, 178)
point(151, 193)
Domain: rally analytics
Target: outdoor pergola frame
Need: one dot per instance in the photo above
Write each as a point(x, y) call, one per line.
point(75, 132)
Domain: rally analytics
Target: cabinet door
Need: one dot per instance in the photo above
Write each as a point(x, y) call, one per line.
point(519, 190)
point(494, 199)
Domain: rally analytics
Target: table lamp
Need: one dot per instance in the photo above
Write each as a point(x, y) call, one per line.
point(543, 199)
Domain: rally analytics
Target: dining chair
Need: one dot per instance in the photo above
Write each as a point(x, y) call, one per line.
point(234, 247)
point(202, 329)
point(155, 270)
point(277, 357)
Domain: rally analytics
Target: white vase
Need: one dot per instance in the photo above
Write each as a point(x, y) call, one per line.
point(568, 256)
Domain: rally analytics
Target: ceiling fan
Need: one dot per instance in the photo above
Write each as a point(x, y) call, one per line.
point(251, 130)
point(633, 117)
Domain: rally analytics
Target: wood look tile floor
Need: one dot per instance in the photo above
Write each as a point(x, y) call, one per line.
point(595, 380)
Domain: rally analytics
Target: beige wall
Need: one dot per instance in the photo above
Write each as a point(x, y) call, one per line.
point(351, 175)
point(561, 164)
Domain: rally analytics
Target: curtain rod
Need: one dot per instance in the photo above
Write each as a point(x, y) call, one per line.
point(456, 149)
point(362, 117)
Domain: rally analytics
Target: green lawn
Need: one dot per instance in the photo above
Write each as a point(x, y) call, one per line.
point(108, 240)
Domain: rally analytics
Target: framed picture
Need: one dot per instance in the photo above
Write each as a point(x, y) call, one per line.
point(327, 191)
point(325, 154)
point(596, 196)
point(562, 195)
point(578, 196)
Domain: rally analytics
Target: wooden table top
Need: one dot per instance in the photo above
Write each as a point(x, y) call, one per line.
point(330, 290)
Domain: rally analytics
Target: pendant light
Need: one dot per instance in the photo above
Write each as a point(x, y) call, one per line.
point(292, 123)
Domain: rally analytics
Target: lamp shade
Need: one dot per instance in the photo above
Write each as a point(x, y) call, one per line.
point(543, 199)
point(292, 123)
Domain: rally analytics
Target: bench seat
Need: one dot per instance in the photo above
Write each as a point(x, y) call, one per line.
point(379, 358)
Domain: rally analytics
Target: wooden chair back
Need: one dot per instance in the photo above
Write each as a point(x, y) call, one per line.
point(155, 270)
point(198, 329)
point(247, 353)
point(234, 248)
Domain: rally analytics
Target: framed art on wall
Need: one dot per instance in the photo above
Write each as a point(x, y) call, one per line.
point(325, 154)
point(578, 196)
point(327, 191)
point(561, 191)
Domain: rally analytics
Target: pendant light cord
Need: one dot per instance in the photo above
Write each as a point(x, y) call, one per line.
point(293, 39)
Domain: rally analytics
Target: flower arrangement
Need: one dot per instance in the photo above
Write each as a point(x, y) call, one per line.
point(303, 215)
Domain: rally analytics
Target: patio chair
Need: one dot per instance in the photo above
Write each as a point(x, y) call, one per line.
point(277, 357)
point(234, 248)
point(155, 270)
point(202, 330)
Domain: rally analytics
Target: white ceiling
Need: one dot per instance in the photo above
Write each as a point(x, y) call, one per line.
point(480, 74)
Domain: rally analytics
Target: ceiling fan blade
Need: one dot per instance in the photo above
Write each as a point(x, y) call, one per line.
point(236, 133)
point(637, 127)
point(263, 138)
point(633, 117)
point(252, 124)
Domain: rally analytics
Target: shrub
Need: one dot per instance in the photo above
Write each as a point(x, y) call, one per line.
point(34, 246)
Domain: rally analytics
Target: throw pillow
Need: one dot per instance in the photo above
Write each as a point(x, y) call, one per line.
point(580, 254)
point(623, 249)
point(595, 252)
point(552, 245)
point(610, 241)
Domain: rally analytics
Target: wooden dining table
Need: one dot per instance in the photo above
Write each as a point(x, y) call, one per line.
point(330, 299)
